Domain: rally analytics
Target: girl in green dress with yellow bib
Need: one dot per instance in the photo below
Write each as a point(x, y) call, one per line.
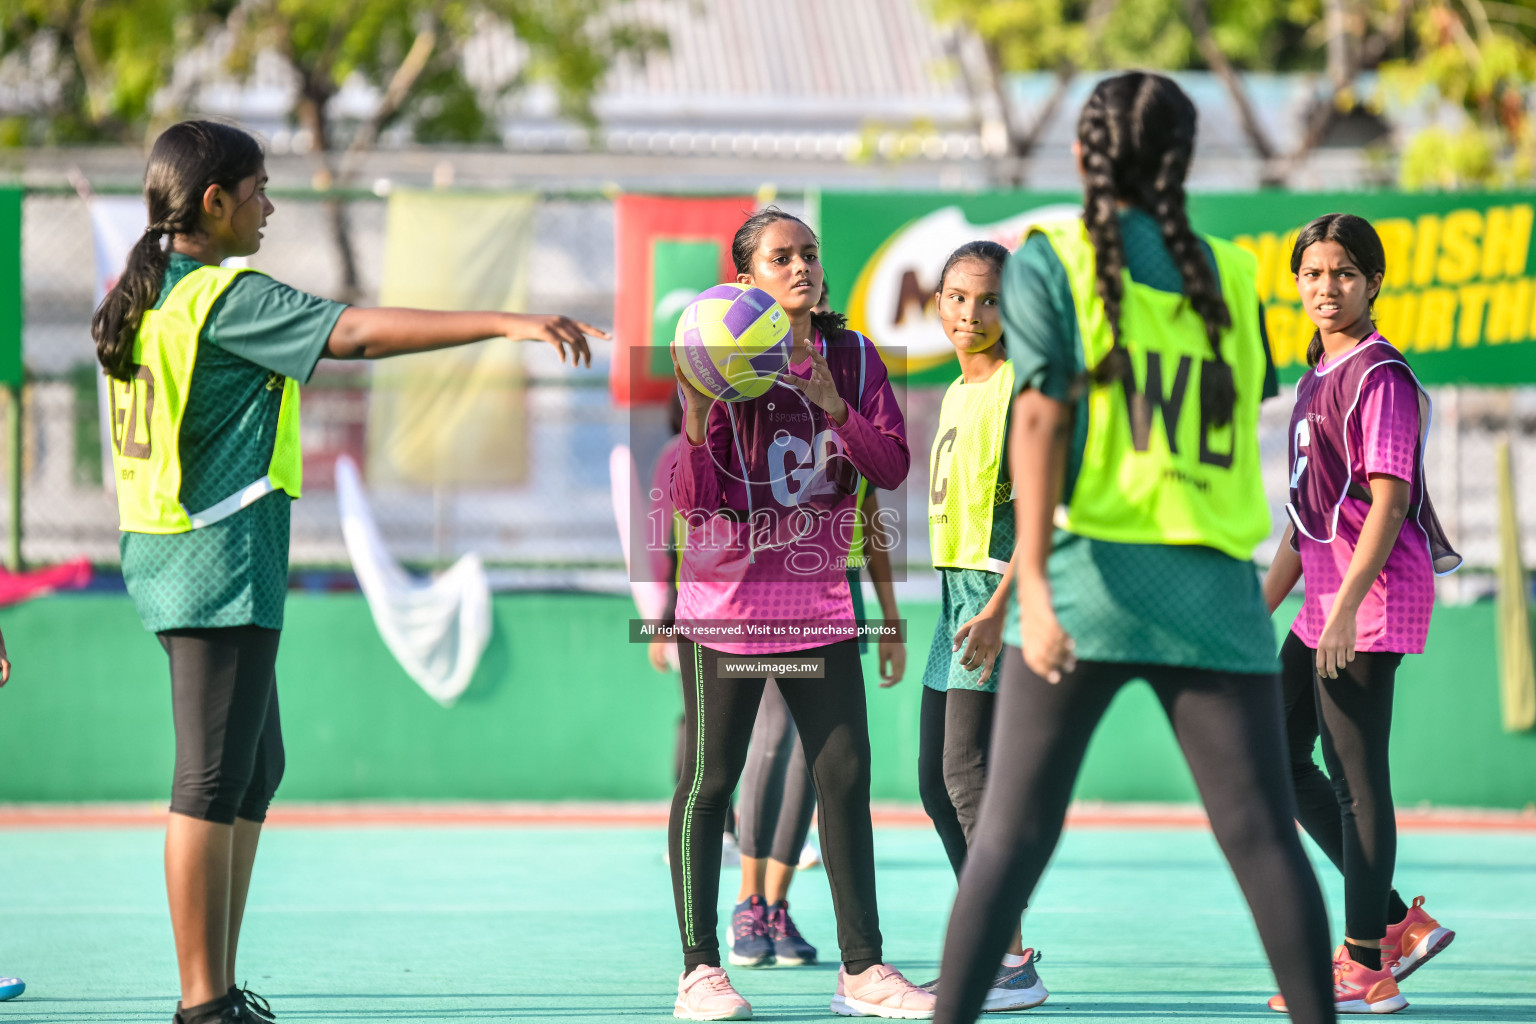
point(1140, 362)
point(970, 531)
point(205, 363)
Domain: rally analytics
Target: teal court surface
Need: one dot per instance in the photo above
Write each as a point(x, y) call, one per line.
point(401, 922)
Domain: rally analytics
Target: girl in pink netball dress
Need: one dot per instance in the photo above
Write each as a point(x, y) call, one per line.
point(1364, 538)
point(768, 487)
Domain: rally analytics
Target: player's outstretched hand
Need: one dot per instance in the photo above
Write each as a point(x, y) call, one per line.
point(559, 331)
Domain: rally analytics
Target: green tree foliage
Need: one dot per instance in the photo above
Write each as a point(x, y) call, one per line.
point(1480, 58)
point(1477, 56)
point(107, 63)
point(97, 64)
point(102, 65)
point(1036, 35)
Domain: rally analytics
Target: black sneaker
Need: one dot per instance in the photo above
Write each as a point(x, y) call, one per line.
point(222, 1010)
point(257, 1010)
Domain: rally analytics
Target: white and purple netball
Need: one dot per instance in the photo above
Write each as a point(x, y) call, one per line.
point(733, 342)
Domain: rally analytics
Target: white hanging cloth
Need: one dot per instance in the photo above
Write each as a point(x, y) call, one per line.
point(437, 629)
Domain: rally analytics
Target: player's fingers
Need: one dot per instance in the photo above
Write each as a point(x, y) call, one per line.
point(960, 635)
point(571, 335)
point(596, 332)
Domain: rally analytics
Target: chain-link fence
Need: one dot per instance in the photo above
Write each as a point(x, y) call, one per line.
point(557, 526)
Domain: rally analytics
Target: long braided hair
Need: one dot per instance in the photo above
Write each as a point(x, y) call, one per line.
point(186, 159)
point(1137, 134)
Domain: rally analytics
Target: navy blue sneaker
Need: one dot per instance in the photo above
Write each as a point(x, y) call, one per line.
point(789, 948)
point(10, 988)
point(750, 944)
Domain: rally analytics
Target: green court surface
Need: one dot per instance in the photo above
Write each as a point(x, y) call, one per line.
point(574, 924)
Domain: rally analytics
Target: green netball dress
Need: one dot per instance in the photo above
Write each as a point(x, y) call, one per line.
point(233, 572)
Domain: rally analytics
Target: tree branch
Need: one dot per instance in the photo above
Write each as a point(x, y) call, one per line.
point(1374, 50)
point(395, 94)
point(86, 60)
point(1258, 138)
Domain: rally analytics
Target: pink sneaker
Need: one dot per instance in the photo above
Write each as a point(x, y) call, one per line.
point(1416, 938)
point(881, 991)
point(707, 994)
point(1357, 989)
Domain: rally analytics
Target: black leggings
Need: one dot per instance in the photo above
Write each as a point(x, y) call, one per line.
point(777, 800)
point(834, 727)
point(1229, 728)
point(954, 733)
point(1351, 817)
point(229, 739)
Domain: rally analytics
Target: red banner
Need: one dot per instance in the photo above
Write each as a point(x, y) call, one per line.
point(669, 250)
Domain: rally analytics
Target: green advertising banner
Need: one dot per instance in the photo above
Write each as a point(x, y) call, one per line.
point(1457, 297)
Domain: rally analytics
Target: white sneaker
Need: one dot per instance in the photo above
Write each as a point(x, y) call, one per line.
point(810, 857)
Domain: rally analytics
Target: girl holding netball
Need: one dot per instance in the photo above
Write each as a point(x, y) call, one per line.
point(1140, 363)
point(1364, 539)
point(768, 487)
point(777, 796)
point(204, 364)
point(971, 531)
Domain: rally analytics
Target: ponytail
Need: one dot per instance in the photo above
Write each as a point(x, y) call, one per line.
point(1137, 135)
point(187, 158)
point(116, 321)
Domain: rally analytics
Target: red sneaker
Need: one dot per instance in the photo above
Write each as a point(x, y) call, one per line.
point(1416, 938)
point(1357, 989)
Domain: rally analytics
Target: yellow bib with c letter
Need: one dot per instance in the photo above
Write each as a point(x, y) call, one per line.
point(969, 458)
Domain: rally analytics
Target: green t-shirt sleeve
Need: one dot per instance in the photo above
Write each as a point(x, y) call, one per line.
point(273, 325)
point(1271, 375)
point(1040, 321)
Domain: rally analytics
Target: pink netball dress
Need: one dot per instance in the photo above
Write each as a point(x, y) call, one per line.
point(770, 508)
point(1363, 413)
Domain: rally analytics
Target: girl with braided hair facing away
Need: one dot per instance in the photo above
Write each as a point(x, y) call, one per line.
point(970, 531)
point(1365, 539)
point(204, 364)
point(1140, 362)
point(768, 488)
